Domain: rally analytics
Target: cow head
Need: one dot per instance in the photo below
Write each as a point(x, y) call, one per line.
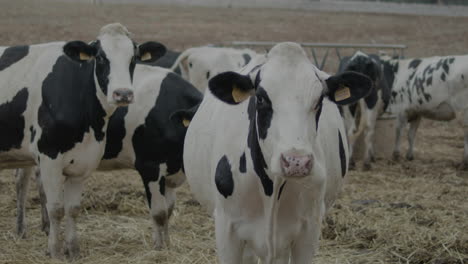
point(115, 56)
point(363, 63)
point(285, 96)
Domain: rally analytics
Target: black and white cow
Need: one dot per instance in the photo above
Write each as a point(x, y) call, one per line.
point(55, 102)
point(371, 106)
point(266, 154)
point(199, 64)
point(148, 137)
point(434, 88)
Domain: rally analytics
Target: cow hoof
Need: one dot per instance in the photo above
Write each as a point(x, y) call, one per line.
point(367, 166)
point(409, 157)
point(396, 156)
point(72, 250)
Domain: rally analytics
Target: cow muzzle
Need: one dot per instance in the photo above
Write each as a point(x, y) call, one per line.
point(296, 165)
point(123, 96)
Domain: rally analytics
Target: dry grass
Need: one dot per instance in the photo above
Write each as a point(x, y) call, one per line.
point(412, 212)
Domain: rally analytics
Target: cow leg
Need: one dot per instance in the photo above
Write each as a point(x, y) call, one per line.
point(400, 125)
point(42, 197)
point(306, 245)
point(159, 211)
point(22, 185)
point(464, 165)
point(369, 137)
point(414, 124)
point(53, 182)
point(230, 247)
point(249, 256)
point(73, 191)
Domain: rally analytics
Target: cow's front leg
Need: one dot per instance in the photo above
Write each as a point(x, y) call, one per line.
point(229, 246)
point(160, 210)
point(307, 243)
point(400, 125)
point(414, 124)
point(73, 191)
point(464, 164)
point(22, 185)
point(53, 182)
point(369, 137)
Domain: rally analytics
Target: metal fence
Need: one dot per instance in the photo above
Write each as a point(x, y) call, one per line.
point(397, 50)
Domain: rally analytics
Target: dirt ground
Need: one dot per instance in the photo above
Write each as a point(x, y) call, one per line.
point(409, 212)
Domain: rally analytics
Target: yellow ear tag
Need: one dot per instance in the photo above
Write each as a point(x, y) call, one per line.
point(186, 122)
point(146, 57)
point(342, 93)
point(238, 95)
point(84, 56)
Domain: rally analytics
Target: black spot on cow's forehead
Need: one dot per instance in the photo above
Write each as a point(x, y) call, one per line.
point(13, 122)
point(12, 55)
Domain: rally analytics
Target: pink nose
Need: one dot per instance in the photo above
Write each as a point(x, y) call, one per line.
point(123, 96)
point(296, 165)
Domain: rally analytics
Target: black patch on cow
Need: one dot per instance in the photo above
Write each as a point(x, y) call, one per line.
point(427, 96)
point(420, 101)
point(429, 81)
point(69, 107)
point(442, 76)
point(389, 71)
point(12, 121)
point(264, 112)
point(463, 77)
point(33, 133)
point(371, 99)
point(342, 155)
point(414, 63)
point(72, 161)
point(247, 58)
point(319, 111)
point(281, 190)
point(115, 133)
point(258, 160)
point(12, 55)
point(223, 177)
point(131, 68)
point(102, 68)
point(160, 140)
point(242, 164)
point(352, 109)
point(162, 186)
point(208, 75)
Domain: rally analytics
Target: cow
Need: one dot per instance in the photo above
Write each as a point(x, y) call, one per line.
point(199, 64)
point(371, 106)
point(167, 60)
point(266, 154)
point(148, 137)
point(434, 88)
point(55, 103)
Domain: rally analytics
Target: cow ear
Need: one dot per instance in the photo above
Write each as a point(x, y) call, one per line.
point(184, 116)
point(79, 51)
point(150, 51)
point(348, 87)
point(231, 87)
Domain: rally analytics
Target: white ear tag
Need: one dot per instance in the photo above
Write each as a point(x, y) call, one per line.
point(342, 93)
point(146, 57)
point(238, 95)
point(84, 56)
point(185, 122)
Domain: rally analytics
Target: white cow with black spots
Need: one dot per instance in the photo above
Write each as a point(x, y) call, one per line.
point(54, 107)
point(435, 88)
point(266, 155)
point(197, 65)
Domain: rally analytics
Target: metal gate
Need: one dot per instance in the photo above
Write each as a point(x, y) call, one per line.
point(397, 50)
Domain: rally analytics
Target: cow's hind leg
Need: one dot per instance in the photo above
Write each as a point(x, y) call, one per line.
point(464, 164)
point(414, 124)
point(53, 182)
point(400, 125)
point(22, 185)
point(73, 191)
point(42, 197)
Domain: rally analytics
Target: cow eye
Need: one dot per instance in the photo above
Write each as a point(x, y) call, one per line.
point(260, 100)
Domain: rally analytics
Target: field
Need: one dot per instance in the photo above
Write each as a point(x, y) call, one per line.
point(408, 212)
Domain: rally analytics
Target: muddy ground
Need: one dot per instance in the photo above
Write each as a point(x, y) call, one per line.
point(408, 212)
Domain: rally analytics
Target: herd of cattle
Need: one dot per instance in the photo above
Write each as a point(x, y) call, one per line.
point(265, 140)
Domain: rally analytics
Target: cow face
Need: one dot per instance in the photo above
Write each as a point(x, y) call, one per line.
point(285, 97)
point(362, 63)
point(115, 56)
